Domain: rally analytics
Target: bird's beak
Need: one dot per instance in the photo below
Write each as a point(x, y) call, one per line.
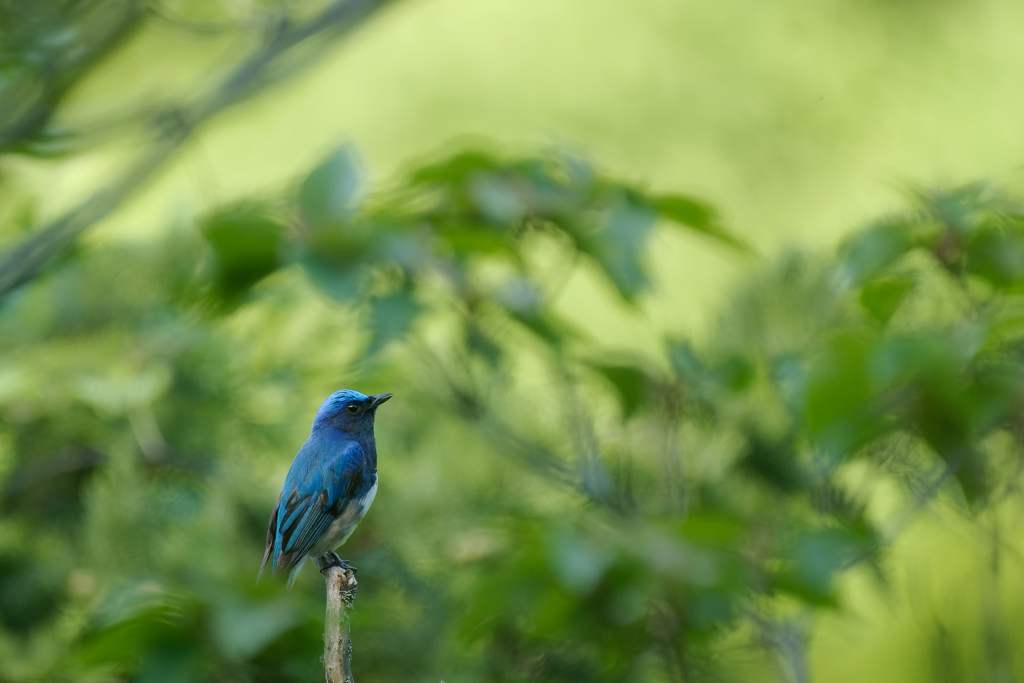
point(378, 399)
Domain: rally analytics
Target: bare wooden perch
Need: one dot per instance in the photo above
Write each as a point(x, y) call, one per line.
point(341, 595)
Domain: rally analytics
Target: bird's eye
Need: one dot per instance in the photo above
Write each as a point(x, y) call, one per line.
point(352, 408)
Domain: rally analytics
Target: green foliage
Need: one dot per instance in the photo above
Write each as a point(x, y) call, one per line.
point(244, 248)
point(550, 508)
point(45, 49)
point(570, 564)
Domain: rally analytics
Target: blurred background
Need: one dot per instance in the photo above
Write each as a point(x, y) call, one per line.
point(704, 323)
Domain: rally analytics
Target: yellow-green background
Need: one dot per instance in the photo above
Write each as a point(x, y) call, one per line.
point(799, 120)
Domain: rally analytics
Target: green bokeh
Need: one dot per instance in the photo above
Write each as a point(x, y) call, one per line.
point(636, 436)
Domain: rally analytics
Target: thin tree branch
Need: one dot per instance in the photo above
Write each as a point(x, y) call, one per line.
point(58, 80)
point(787, 641)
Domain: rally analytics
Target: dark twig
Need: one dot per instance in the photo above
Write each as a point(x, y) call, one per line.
point(24, 119)
point(786, 639)
point(340, 578)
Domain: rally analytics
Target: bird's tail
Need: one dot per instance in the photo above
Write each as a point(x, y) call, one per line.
point(266, 558)
point(271, 535)
point(294, 573)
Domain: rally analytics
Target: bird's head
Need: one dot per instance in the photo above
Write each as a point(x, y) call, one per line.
point(349, 411)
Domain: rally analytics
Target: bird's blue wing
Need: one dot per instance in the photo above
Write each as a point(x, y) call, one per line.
point(318, 488)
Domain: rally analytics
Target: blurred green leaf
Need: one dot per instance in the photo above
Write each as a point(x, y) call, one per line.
point(456, 168)
point(498, 199)
point(168, 663)
point(997, 256)
point(882, 296)
point(340, 281)
point(28, 594)
point(245, 244)
point(619, 245)
point(736, 372)
point(630, 385)
point(817, 557)
point(863, 256)
point(712, 528)
point(331, 193)
point(578, 563)
point(695, 214)
point(391, 316)
point(685, 361)
point(775, 463)
point(472, 239)
point(685, 210)
point(481, 343)
point(842, 409)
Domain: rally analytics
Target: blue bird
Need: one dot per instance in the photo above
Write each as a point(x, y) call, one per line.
point(329, 488)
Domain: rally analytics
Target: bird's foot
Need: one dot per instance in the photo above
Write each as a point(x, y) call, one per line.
point(332, 559)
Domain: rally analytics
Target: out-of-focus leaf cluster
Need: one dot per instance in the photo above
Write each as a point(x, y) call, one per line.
point(149, 392)
point(469, 222)
point(549, 509)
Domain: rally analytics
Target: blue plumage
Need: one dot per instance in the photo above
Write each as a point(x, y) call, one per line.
point(330, 485)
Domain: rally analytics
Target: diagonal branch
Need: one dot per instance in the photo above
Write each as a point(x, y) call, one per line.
point(61, 70)
point(262, 68)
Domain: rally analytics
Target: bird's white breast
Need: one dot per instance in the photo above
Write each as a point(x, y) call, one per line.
point(342, 527)
point(364, 503)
